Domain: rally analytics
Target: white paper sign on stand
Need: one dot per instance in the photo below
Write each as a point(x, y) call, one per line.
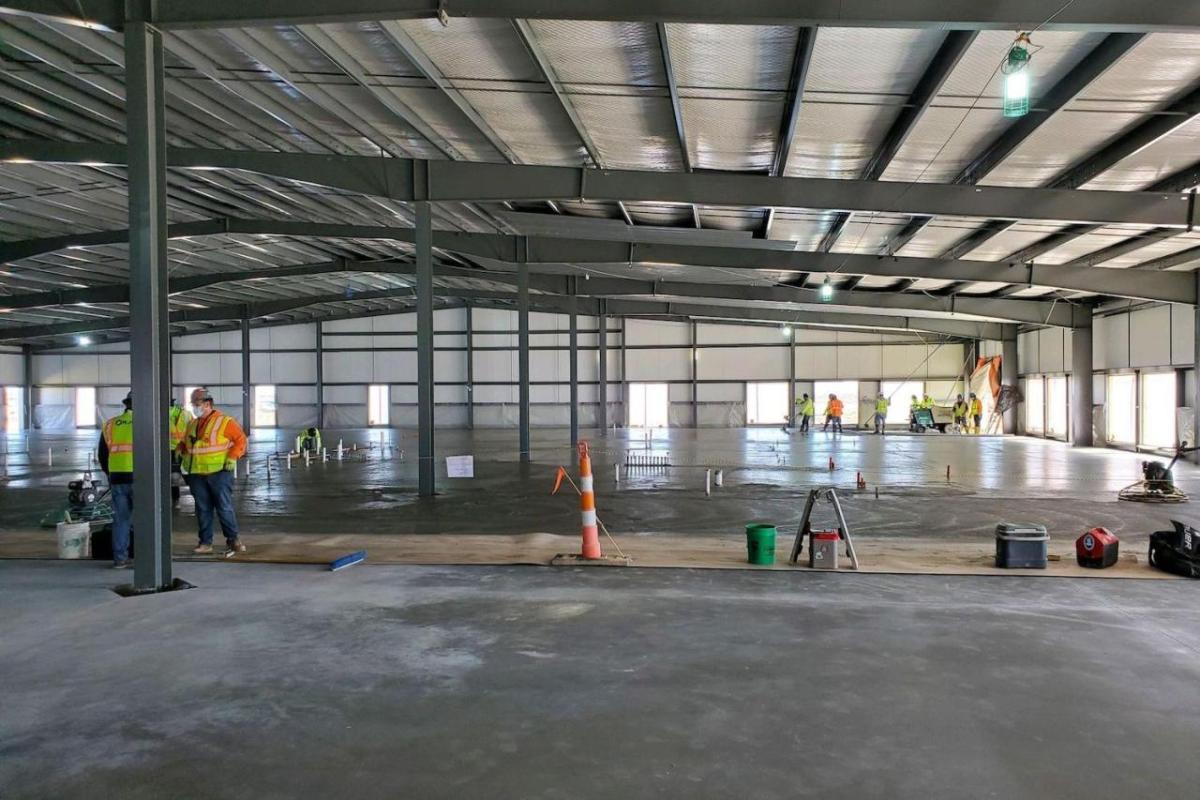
point(460, 466)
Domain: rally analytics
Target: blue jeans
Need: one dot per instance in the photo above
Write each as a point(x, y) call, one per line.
point(214, 492)
point(122, 506)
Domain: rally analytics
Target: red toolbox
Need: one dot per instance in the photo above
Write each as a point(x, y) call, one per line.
point(1097, 548)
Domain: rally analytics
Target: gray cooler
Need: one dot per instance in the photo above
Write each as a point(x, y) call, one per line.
point(1021, 545)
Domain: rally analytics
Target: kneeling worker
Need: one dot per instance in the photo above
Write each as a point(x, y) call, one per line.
point(115, 454)
point(210, 450)
point(309, 439)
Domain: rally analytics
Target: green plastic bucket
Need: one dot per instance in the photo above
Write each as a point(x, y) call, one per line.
point(760, 543)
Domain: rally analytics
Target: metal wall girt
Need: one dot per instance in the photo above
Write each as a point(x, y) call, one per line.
point(1102, 15)
point(456, 181)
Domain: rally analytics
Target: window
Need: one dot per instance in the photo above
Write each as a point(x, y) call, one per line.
point(767, 404)
point(1056, 407)
point(14, 398)
point(1158, 409)
point(264, 406)
point(901, 393)
point(378, 404)
point(1120, 409)
point(847, 392)
point(1035, 405)
point(648, 405)
point(85, 407)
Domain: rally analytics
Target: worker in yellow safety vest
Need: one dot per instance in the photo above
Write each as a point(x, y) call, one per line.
point(210, 449)
point(178, 419)
point(927, 402)
point(960, 412)
point(807, 410)
point(881, 412)
point(976, 413)
point(309, 439)
point(115, 454)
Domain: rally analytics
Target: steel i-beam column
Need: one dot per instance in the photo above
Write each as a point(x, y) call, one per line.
point(470, 369)
point(1196, 374)
point(573, 368)
point(27, 361)
point(1009, 376)
point(602, 345)
point(1081, 385)
point(320, 374)
point(624, 371)
point(791, 373)
point(523, 355)
point(426, 476)
point(696, 376)
point(149, 328)
point(247, 385)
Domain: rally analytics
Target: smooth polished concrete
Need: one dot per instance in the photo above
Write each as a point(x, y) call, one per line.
point(385, 682)
point(766, 474)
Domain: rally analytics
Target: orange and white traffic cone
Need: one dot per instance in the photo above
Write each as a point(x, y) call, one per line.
point(587, 504)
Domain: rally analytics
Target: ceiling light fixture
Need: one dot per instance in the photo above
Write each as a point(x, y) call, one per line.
point(826, 293)
point(84, 341)
point(1016, 77)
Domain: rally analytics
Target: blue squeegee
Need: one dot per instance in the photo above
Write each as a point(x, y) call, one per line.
point(348, 561)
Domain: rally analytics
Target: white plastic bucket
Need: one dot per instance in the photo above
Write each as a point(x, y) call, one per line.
point(74, 540)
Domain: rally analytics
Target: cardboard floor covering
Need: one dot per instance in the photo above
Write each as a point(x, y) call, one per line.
point(876, 554)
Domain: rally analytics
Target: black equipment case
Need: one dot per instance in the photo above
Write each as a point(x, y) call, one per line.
point(1176, 551)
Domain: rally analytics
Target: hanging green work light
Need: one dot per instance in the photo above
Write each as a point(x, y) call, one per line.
point(826, 292)
point(1016, 78)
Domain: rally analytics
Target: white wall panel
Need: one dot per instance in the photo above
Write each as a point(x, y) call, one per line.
point(348, 367)
point(1183, 335)
point(389, 366)
point(1113, 333)
point(1050, 350)
point(721, 392)
point(450, 367)
point(656, 332)
point(902, 360)
point(1027, 352)
point(709, 333)
point(660, 365)
point(12, 369)
point(946, 361)
point(292, 367)
point(744, 363)
point(863, 361)
point(495, 366)
point(1150, 337)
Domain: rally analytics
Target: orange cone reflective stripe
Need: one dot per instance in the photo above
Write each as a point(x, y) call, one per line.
point(587, 504)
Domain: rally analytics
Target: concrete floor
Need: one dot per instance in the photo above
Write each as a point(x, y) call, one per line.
point(766, 475)
point(285, 682)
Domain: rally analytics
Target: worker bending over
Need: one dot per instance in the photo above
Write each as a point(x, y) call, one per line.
point(960, 412)
point(210, 449)
point(881, 412)
point(309, 440)
point(833, 414)
point(115, 454)
point(976, 414)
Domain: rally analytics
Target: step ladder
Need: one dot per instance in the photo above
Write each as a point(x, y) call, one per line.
point(805, 529)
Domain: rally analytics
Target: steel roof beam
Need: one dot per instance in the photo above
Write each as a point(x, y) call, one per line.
point(1013, 311)
point(952, 49)
point(805, 40)
point(1093, 65)
point(412, 179)
point(1165, 287)
point(676, 110)
point(1096, 15)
